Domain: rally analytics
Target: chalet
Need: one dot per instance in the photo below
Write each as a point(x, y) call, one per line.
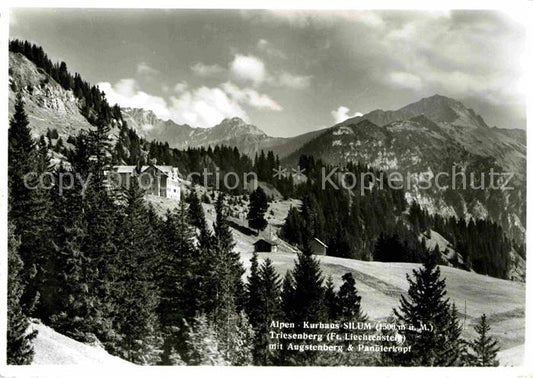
point(318, 247)
point(157, 180)
point(264, 245)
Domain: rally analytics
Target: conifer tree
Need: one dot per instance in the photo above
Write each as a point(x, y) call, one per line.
point(308, 296)
point(224, 287)
point(19, 340)
point(176, 280)
point(331, 300)
point(454, 348)
point(239, 346)
point(29, 205)
point(263, 305)
point(270, 309)
point(197, 218)
point(425, 312)
point(349, 302)
point(291, 230)
point(196, 212)
point(21, 155)
point(202, 343)
point(257, 209)
point(303, 300)
point(287, 295)
point(135, 293)
point(99, 248)
point(253, 292)
point(68, 298)
point(484, 349)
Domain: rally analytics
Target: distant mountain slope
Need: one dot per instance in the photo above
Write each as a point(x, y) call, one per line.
point(466, 127)
point(233, 132)
point(437, 108)
point(444, 136)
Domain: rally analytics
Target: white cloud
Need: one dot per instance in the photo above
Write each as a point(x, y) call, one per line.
point(127, 94)
point(250, 97)
point(369, 18)
point(405, 80)
point(204, 107)
point(304, 18)
point(267, 47)
point(251, 70)
point(180, 87)
point(460, 54)
point(342, 114)
point(200, 107)
point(145, 69)
point(206, 70)
point(289, 80)
point(248, 69)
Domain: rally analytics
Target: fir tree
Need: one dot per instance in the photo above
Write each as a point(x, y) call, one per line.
point(68, 297)
point(100, 218)
point(135, 293)
point(241, 336)
point(349, 302)
point(29, 205)
point(424, 306)
point(304, 301)
point(196, 211)
point(21, 155)
point(484, 349)
point(264, 304)
point(454, 348)
point(291, 230)
point(287, 295)
point(197, 219)
point(225, 290)
point(19, 340)
point(177, 281)
point(331, 300)
point(202, 343)
point(308, 296)
point(253, 292)
point(257, 209)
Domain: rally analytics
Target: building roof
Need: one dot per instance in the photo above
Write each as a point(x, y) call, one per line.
point(266, 241)
point(125, 168)
point(167, 170)
point(320, 242)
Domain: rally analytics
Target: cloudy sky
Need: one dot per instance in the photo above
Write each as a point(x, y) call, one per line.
point(288, 72)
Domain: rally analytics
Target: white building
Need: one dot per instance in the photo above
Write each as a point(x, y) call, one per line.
point(157, 180)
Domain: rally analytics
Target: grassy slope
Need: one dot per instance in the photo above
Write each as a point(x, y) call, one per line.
point(381, 285)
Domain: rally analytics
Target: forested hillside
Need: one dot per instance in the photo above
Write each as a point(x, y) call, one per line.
point(100, 264)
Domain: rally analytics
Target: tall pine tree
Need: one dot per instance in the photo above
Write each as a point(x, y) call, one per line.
point(135, 292)
point(484, 349)
point(29, 205)
point(19, 340)
point(257, 209)
point(425, 313)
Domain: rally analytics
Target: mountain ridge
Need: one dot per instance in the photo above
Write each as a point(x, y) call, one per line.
point(443, 132)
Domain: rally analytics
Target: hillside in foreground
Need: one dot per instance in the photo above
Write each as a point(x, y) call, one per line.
point(381, 285)
point(53, 348)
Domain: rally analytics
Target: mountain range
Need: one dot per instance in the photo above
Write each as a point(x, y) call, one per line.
point(426, 137)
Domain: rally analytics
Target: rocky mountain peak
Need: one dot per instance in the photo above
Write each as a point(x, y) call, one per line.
point(440, 108)
point(238, 126)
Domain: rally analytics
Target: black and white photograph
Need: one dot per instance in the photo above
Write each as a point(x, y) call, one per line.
point(264, 187)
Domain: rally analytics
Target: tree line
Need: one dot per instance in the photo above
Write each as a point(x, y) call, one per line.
point(372, 221)
point(103, 265)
